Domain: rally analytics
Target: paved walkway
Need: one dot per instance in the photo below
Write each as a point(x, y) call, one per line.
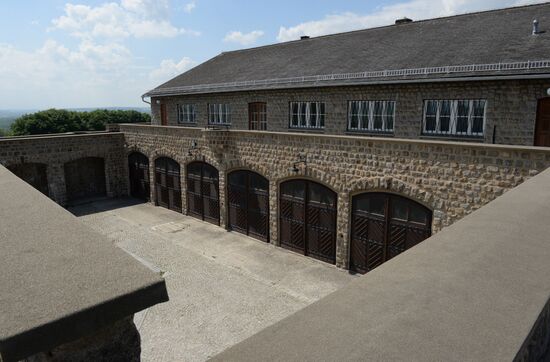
point(223, 286)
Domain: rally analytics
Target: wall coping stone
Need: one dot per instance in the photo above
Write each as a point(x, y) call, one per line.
point(58, 135)
point(60, 280)
point(125, 127)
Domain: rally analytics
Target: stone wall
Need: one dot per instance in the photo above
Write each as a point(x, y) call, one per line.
point(511, 106)
point(56, 150)
point(452, 179)
point(119, 341)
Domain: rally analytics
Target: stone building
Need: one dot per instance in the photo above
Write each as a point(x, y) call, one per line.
point(349, 148)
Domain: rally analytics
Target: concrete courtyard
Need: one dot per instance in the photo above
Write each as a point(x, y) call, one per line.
point(223, 286)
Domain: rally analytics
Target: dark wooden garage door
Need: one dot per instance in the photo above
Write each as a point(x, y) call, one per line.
point(203, 192)
point(383, 226)
point(308, 219)
point(138, 166)
point(32, 173)
point(167, 183)
point(85, 178)
point(248, 195)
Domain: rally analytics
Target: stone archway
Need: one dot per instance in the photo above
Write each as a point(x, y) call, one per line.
point(35, 174)
point(85, 178)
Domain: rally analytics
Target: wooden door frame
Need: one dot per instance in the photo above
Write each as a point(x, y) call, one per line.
point(537, 125)
point(253, 107)
point(163, 115)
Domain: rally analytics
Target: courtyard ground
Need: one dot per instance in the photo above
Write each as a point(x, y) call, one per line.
point(223, 286)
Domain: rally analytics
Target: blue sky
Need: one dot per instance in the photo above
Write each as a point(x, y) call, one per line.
point(107, 53)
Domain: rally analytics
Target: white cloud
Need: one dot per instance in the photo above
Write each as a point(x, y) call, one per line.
point(415, 9)
point(129, 18)
point(189, 7)
point(243, 38)
point(169, 69)
point(54, 75)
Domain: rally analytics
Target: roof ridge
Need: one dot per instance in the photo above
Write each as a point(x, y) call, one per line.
point(387, 26)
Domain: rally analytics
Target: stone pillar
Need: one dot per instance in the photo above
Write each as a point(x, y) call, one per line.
point(152, 192)
point(223, 201)
point(56, 183)
point(343, 224)
point(183, 187)
point(274, 213)
point(118, 342)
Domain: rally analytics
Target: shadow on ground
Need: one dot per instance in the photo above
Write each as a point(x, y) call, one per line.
point(94, 205)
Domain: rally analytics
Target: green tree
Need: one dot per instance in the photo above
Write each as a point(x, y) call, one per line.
point(60, 121)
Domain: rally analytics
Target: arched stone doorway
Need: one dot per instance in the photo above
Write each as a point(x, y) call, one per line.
point(167, 184)
point(85, 178)
point(34, 174)
point(307, 219)
point(203, 192)
point(248, 203)
point(384, 225)
point(138, 169)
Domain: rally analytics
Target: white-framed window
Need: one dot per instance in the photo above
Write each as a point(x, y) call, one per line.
point(219, 113)
point(372, 116)
point(456, 117)
point(187, 113)
point(307, 115)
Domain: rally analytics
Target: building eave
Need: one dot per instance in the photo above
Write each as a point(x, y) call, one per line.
point(475, 72)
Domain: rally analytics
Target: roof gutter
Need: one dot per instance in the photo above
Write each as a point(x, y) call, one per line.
point(169, 92)
point(143, 99)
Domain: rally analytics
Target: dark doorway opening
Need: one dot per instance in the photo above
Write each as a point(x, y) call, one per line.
point(85, 178)
point(34, 174)
point(138, 167)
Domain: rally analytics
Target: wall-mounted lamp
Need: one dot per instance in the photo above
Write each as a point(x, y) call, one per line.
point(157, 101)
point(548, 91)
point(192, 148)
point(302, 158)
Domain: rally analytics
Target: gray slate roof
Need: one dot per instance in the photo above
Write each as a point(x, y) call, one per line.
point(490, 37)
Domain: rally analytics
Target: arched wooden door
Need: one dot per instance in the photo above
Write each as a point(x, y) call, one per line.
point(32, 173)
point(85, 178)
point(308, 219)
point(167, 183)
point(383, 226)
point(138, 167)
point(203, 192)
point(248, 196)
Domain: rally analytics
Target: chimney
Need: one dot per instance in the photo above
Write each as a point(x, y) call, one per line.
point(535, 27)
point(403, 20)
point(304, 37)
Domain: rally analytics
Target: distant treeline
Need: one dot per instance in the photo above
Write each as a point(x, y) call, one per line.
point(60, 121)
